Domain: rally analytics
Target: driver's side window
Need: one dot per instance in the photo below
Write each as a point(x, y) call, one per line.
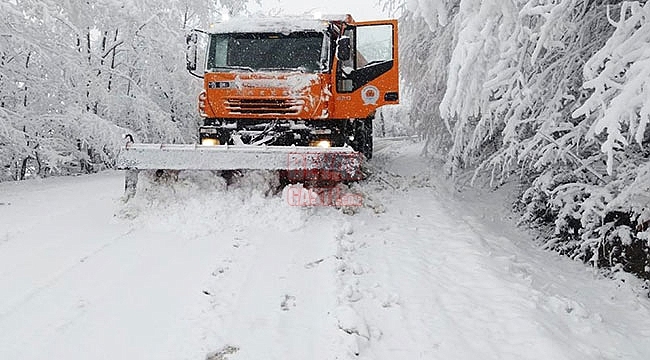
point(371, 55)
point(374, 45)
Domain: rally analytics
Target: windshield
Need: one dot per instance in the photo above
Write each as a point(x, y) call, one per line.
point(268, 51)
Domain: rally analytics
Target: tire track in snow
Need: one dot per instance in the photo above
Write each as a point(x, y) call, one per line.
point(276, 299)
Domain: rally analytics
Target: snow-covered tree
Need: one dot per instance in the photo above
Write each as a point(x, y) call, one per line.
point(75, 76)
point(551, 90)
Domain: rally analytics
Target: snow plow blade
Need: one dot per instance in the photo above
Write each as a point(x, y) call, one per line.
point(299, 163)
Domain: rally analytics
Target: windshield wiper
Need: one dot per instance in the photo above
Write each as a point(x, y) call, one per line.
point(299, 69)
point(231, 67)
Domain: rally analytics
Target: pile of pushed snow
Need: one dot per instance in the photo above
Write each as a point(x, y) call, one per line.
point(199, 203)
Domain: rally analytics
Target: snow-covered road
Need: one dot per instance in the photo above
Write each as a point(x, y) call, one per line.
point(420, 272)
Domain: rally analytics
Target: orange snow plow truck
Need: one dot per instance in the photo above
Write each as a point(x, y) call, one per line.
point(294, 95)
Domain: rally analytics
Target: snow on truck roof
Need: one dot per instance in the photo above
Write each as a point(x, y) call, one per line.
point(283, 25)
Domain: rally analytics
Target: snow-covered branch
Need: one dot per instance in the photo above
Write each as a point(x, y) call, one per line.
point(619, 75)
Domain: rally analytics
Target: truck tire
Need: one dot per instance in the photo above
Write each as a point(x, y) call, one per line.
point(362, 131)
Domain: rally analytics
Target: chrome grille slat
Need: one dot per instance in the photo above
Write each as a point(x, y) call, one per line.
point(264, 106)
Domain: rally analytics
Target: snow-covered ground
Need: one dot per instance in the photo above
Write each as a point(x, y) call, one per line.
point(190, 269)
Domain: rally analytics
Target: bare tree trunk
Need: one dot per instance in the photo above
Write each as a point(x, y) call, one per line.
point(104, 40)
point(88, 46)
point(13, 168)
point(113, 53)
point(29, 55)
point(89, 82)
point(23, 167)
point(186, 16)
point(38, 162)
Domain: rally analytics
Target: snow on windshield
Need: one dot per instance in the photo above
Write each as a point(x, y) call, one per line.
point(267, 51)
point(268, 25)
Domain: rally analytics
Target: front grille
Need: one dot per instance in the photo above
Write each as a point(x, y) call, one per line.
point(264, 106)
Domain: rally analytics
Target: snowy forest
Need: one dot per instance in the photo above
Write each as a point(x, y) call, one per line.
point(75, 76)
point(552, 94)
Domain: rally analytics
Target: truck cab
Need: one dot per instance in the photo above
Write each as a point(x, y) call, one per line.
point(302, 82)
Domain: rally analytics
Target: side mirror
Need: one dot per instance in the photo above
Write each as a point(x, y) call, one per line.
point(344, 48)
point(191, 51)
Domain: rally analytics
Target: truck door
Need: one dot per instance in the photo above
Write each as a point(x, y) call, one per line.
point(369, 77)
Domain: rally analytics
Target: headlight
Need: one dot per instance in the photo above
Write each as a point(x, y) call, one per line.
point(321, 143)
point(210, 142)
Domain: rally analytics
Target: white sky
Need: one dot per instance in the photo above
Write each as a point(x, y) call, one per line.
point(359, 9)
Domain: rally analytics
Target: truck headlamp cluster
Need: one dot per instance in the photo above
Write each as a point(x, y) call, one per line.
point(210, 142)
point(321, 143)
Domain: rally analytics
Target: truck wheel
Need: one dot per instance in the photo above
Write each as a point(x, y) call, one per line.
point(362, 131)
